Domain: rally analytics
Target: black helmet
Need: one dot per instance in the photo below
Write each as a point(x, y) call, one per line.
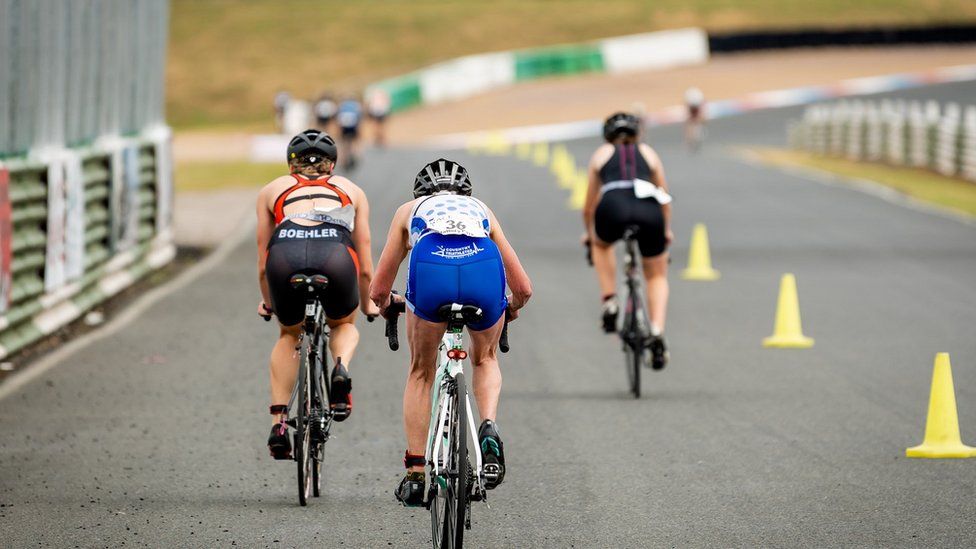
point(442, 175)
point(310, 142)
point(620, 122)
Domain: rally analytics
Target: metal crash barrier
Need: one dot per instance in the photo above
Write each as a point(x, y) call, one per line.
point(85, 158)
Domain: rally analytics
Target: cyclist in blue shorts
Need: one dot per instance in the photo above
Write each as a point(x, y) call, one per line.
point(349, 116)
point(458, 253)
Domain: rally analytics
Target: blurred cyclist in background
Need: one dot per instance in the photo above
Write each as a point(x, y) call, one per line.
point(695, 123)
point(457, 253)
point(378, 107)
point(627, 188)
point(349, 117)
point(312, 222)
point(281, 100)
point(325, 110)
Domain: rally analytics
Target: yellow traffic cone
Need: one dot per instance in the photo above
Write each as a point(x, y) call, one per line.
point(787, 332)
point(942, 426)
point(540, 156)
point(699, 258)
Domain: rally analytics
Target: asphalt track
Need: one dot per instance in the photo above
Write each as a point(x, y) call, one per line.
point(155, 435)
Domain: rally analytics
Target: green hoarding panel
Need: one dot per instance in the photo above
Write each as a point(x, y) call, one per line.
point(540, 63)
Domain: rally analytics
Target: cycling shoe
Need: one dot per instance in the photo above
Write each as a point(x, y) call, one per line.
point(410, 492)
point(610, 311)
point(278, 442)
point(492, 454)
point(659, 352)
point(340, 397)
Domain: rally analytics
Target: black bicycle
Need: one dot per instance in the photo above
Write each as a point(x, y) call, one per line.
point(635, 330)
point(312, 419)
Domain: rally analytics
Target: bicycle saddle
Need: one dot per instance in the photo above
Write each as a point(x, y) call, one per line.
point(456, 314)
point(316, 283)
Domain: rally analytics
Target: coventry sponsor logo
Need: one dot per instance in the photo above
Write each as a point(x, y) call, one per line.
point(457, 253)
point(308, 233)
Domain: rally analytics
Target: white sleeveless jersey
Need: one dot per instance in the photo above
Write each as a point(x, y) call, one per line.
point(449, 214)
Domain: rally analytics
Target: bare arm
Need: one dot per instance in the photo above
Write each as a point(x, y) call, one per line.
point(265, 228)
point(516, 277)
point(659, 179)
point(597, 161)
point(392, 256)
point(361, 241)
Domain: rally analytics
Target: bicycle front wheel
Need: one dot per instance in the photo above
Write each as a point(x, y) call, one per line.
point(448, 504)
point(631, 339)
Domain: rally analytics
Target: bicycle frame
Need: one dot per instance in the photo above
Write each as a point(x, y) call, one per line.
point(438, 434)
point(314, 319)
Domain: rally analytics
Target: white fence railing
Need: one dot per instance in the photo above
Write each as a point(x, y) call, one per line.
point(917, 134)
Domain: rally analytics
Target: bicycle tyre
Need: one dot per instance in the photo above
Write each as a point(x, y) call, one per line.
point(463, 467)
point(630, 338)
point(443, 500)
point(301, 439)
point(323, 399)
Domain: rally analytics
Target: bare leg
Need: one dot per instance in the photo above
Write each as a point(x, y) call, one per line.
point(656, 276)
point(487, 381)
point(424, 338)
point(605, 263)
point(284, 366)
point(343, 338)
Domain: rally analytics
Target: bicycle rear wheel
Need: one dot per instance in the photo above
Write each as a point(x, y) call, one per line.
point(322, 404)
point(302, 437)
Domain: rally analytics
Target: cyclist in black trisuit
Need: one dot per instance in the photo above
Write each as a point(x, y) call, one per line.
point(626, 188)
point(312, 222)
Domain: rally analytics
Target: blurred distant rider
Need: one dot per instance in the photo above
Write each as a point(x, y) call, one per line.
point(627, 187)
point(312, 222)
point(281, 100)
point(325, 110)
point(349, 117)
point(695, 123)
point(378, 107)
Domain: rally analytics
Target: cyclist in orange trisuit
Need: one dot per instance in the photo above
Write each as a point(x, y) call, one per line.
point(309, 222)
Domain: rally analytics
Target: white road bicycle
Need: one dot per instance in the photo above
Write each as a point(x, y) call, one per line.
point(452, 481)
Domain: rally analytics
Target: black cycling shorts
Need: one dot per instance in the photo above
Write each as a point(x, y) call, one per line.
point(619, 209)
point(352, 132)
point(320, 249)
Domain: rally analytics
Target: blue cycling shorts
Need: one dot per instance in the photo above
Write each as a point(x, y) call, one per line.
point(447, 269)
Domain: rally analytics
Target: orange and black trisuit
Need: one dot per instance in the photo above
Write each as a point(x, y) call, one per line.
point(321, 245)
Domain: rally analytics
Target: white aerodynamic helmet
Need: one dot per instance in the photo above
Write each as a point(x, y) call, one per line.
point(694, 96)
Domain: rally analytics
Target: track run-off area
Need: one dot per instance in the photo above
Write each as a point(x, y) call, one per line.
point(155, 434)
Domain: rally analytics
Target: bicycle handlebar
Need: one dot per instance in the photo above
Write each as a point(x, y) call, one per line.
point(392, 315)
point(503, 340)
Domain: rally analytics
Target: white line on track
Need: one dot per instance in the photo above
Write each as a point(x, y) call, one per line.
point(19, 379)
